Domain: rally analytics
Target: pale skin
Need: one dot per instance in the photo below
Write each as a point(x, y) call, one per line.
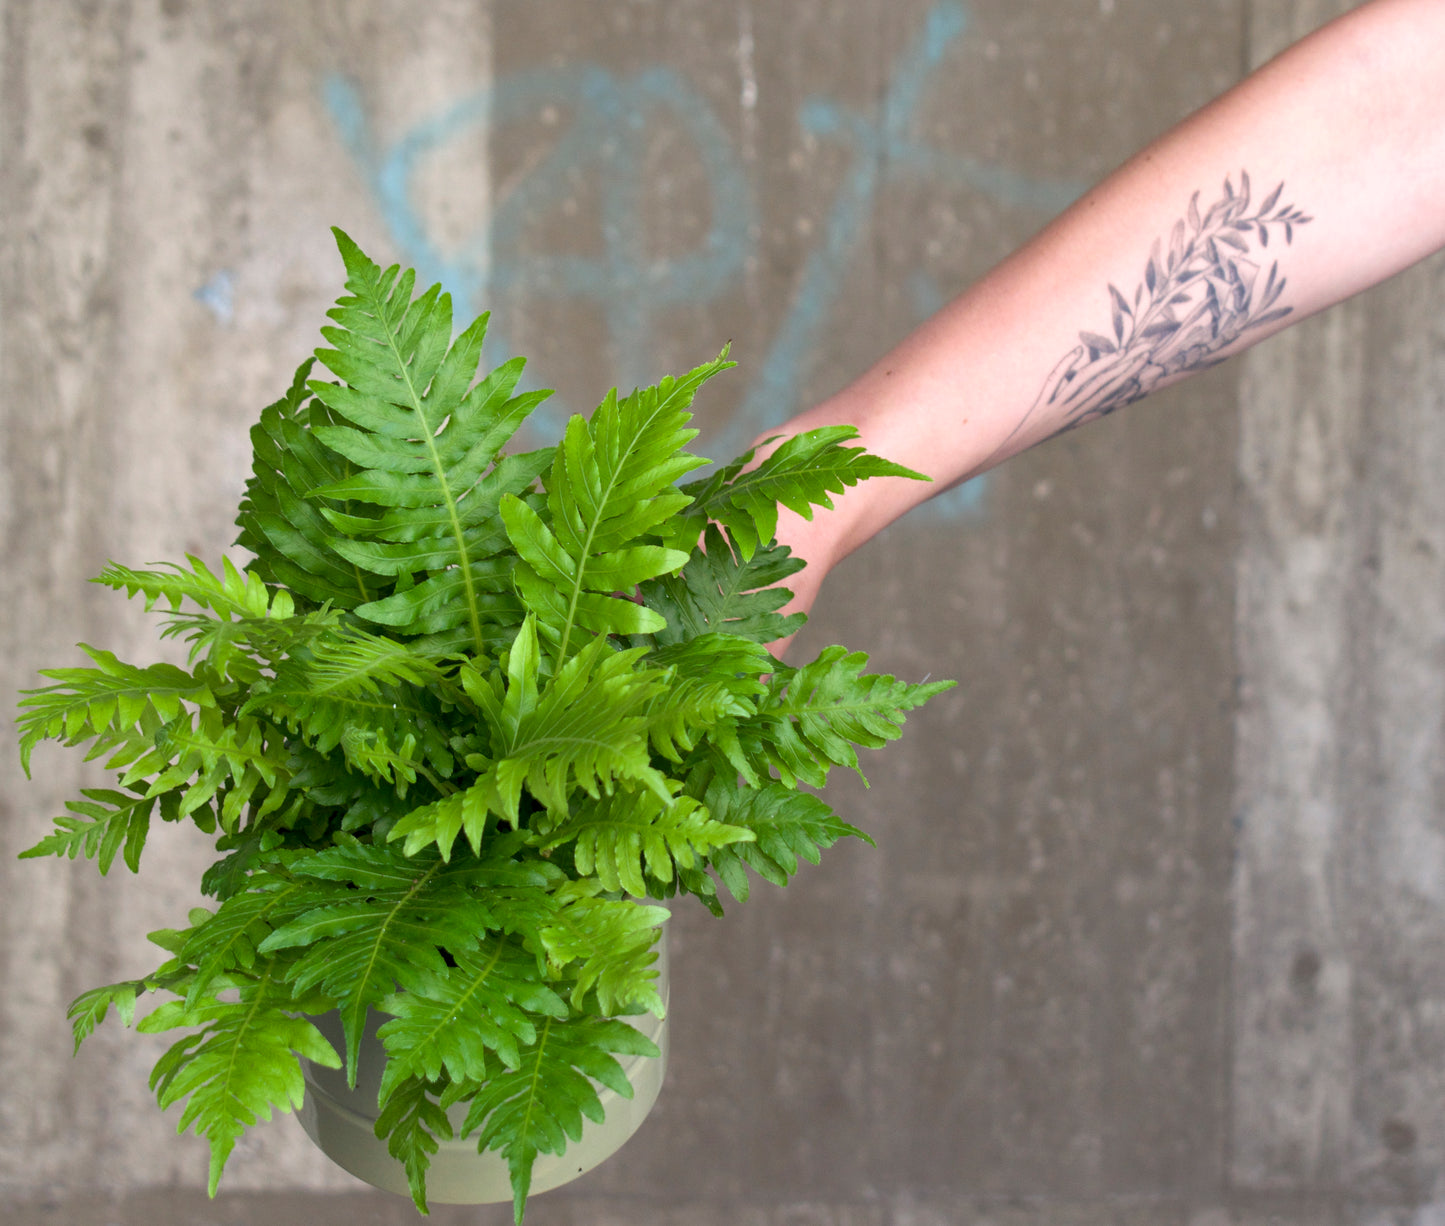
point(1091, 314)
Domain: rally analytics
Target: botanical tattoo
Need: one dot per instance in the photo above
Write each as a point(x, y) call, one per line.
point(1196, 300)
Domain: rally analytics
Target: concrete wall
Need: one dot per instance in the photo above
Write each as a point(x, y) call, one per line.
point(1155, 933)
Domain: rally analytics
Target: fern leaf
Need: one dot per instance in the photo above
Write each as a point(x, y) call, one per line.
point(104, 824)
point(420, 443)
point(610, 487)
point(721, 590)
point(227, 941)
point(89, 1009)
point(106, 703)
point(353, 681)
point(212, 758)
point(815, 715)
point(540, 1107)
point(372, 919)
point(606, 945)
point(447, 1023)
point(628, 836)
point(283, 523)
point(585, 729)
point(239, 1064)
point(232, 594)
point(732, 663)
point(800, 475)
point(410, 1122)
point(787, 826)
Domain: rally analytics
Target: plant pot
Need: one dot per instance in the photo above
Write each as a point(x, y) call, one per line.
point(342, 1121)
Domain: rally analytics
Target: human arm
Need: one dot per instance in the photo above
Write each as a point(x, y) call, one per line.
point(1164, 269)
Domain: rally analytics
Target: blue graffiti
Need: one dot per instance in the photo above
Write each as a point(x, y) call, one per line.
point(603, 140)
point(218, 295)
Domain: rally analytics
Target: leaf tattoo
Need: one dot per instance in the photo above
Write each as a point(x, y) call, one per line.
point(1197, 298)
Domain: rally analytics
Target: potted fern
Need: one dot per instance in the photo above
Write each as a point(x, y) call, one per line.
point(458, 725)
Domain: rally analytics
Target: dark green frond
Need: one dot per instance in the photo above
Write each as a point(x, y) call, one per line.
point(486, 1000)
point(723, 591)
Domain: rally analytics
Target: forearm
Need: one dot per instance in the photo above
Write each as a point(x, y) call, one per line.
point(1165, 267)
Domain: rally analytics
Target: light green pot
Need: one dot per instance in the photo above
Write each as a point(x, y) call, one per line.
point(342, 1121)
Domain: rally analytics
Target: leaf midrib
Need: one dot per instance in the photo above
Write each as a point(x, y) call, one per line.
point(463, 558)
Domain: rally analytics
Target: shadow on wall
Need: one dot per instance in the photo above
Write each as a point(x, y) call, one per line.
point(608, 117)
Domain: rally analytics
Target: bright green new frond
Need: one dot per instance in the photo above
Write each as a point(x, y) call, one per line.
point(815, 715)
point(421, 437)
point(239, 1064)
point(787, 826)
point(107, 704)
point(586, 729)
point(610, 489)
point(800, 475)
point(722, 590)
point(99, 827)
point(488, 1000)
point(233, 762)
point(629, 836)
point(540, 1106)
point(232, 594)
point(606, 944)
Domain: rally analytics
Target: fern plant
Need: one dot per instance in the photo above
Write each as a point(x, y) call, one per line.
point(457, 725)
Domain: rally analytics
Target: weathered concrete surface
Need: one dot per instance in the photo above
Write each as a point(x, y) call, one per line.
point(1339, 968)
point(1065, 990)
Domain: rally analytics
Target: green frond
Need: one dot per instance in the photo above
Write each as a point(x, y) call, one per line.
point(610, 489)
point(410, 1122)
point(233, 762)
point(233, 620)
point(787, 826)
point(540, 1106)
point(487, 1000)
point(734, 664)
point(227, 941)
point(606, 945)
point(232, 594)
point(800, 475)
point(104, 824)
point(111, 703)
point(420, 437)
point(815, 715)
point(89, 1009)
point(371, 920)
point(238, 1064)
point(724, 591)
point(283, 523)
point(586, 729)
point(626, 837)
